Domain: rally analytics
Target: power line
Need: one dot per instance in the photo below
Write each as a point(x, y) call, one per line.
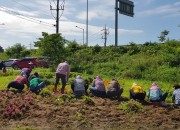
point(61, 7)
point(30, 8)
point(17, 14)
point(95, 39)
point(92, 36)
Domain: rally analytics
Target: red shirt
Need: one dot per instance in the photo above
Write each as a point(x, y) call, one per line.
point(22, 80)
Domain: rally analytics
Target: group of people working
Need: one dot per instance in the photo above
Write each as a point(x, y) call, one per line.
point(31, 81)
point(80, 87)
point(114, 89)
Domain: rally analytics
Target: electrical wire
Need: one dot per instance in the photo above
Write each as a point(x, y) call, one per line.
point(63, 9)
point(24, 17)
point(62, 4)
point(51, 9)
point(94, 34)
point(29, 7)
point(95, 39)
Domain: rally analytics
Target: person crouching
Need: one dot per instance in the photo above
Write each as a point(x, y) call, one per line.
point(79, 87)
point(36, 84)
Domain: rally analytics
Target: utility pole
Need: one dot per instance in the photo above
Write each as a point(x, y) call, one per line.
point(106, 32)
point(87, 24)
point(57, 14)
point(126, 8)
point(116, 23)
point(30, 45)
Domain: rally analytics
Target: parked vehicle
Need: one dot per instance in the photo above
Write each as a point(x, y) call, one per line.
point(43, 61)
point(30, 62)
point(24, 63)
point(9, 62)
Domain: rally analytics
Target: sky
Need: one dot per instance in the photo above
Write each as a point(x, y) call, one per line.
point(23, 21)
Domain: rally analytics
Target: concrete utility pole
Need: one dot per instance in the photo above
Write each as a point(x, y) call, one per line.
point(106, 32)
point(57, 15)
point(116, 23)
point(87, 24)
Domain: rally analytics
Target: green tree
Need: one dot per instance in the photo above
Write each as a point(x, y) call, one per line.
point(52, 46)
point(72, 47)
point(163, 35)
point(16, 51)
point(3, 56)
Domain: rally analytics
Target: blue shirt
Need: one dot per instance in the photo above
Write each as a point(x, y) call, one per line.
point(176, 96)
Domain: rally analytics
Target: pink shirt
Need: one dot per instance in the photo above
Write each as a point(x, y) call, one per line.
point(63, 68)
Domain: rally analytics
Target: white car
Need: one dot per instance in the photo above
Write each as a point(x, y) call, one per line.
point(9, 62)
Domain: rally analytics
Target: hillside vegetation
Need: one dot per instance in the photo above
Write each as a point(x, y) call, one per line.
point(151, 61)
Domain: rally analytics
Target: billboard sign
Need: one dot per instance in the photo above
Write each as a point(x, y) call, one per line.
point(126, 7)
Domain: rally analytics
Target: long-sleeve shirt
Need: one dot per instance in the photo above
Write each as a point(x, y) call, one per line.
point(176, 96)
point(113, 86)
point(34, 83)
point(99, 85)
point(137, 89)
point(22, 80)
point(27, 71)
point(63, 68)
point(79, 85)
point(154, 93)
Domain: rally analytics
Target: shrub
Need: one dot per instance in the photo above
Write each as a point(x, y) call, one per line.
point(131, 107)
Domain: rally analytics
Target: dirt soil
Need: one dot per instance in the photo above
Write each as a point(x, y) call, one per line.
point(103, 115)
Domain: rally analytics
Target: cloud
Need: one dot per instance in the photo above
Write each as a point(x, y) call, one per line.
point(177, 4)
point(99, 10)
point(148, 1)
point(22, 31)
point(165, 10)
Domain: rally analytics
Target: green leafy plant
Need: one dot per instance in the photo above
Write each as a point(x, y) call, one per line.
point(88, 100)
point(79, 115)
point(25, 128)
point(59, 100)
point(131, 107)
point(45, 92)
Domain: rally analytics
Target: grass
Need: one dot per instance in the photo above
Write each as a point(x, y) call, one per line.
point(125, 83)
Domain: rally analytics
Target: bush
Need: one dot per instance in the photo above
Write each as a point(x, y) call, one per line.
point(131, 107)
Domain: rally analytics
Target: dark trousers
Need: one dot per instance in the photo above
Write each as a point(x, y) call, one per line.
point(62, 77)
point(139, 96)
point(15, 85)
point(111, 94)
point(97, 93)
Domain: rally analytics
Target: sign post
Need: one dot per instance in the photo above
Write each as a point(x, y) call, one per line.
point(125, 7)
